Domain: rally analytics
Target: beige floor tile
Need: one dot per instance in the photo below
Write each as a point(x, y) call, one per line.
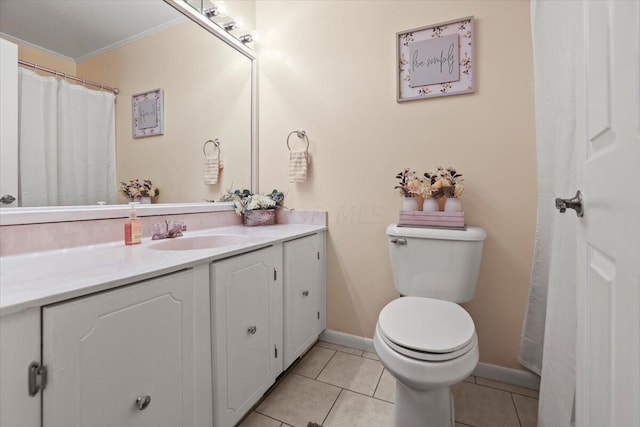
point(483, 406)
point(352, 372)
point(298, 400)
point(313, 362)
point(258, 420)
point(340, 348)
point(470, 379)
point(507, 387)
point(370, 355)
point(386, 389)
point(355, 410)
point(527, 408)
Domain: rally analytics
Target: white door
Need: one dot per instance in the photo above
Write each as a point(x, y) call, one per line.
point(147, 341)
point(247, 325)
point(303, 290)
point(8, 123)
point(608, 290)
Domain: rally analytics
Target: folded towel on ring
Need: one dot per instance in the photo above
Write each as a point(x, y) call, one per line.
point(212, 166)
point(298, 163)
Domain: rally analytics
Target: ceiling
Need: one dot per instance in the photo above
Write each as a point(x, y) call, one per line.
point(79, 29)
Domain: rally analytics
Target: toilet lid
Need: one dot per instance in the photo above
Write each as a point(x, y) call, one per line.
point(428, 356)
point(426, 325)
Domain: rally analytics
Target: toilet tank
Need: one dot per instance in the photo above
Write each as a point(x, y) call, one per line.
point(436, 263)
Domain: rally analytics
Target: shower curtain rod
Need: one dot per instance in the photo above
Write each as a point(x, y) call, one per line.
point(113, 90)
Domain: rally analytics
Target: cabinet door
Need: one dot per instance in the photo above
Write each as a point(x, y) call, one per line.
point(247, 304)
point(304, 294)
point(103, 352)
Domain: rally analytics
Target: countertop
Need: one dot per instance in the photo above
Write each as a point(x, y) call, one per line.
point(37, 279)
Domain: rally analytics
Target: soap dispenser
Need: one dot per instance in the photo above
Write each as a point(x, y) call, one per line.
point(133, 228)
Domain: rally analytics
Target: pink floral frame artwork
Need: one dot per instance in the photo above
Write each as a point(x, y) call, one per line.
point(464, 28)
point(148, 114)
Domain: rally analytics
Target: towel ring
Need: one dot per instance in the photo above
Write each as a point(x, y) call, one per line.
point(301, 133)
point(215, 142)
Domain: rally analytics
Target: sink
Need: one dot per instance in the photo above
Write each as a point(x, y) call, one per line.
point(199, 242)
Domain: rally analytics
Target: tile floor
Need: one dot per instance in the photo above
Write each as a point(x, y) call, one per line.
point(338, 386)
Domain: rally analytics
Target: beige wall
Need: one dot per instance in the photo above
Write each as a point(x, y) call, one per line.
point(39, 57)
point(207, 90)
point(330, 67)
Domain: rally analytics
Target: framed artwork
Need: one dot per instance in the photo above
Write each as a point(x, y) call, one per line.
point(148, 118)
point(436, 60)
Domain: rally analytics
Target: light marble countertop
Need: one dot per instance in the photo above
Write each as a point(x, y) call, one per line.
point(37, 279)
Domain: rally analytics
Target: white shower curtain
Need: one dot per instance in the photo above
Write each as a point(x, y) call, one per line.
point(66, 143)
point(548, 340)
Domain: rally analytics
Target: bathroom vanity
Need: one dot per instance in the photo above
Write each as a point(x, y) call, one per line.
point(114, 335)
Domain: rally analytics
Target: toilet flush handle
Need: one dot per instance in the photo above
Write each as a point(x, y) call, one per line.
point(399, 241)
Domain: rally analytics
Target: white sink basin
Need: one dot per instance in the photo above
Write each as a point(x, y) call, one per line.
point(199, 242)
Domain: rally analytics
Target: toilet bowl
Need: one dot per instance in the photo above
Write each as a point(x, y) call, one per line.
point(426, 345)
point(425, 339)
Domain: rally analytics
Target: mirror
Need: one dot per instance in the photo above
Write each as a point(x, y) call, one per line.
point(141, 46)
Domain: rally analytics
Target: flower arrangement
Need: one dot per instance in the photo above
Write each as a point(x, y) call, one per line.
point(409, 185)
point(443, 182)
point(245, 200)
point(134, 188)
point(447, 182)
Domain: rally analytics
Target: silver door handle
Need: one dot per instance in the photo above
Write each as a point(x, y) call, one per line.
point(574, 203)
point(7, 199)
point(252, 330)
point(142, 402)
point(399, 241)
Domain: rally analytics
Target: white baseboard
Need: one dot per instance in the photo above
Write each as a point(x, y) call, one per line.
point(484, 370)
point(348, 340)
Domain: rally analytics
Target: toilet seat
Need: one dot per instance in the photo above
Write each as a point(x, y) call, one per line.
point(427, 329)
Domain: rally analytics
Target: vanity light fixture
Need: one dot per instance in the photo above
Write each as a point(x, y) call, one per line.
point(236, 24)
point(219, 9)
point(248, 38)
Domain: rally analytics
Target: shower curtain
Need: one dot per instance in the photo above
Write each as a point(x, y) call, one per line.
point(66, 143)
point(549, 330)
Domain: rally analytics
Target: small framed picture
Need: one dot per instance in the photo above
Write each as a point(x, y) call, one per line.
point(148, 118)
point(436, 60)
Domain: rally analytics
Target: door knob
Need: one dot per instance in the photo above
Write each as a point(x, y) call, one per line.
point(7, 199)
point(142, 402)
point(305, 293)
point(252, 330)
point(574, 203)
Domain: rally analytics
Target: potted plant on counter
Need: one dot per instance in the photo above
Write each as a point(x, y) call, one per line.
point(256, 209)
point(136, 191)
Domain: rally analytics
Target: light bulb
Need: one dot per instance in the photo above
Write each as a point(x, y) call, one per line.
point(234, 25)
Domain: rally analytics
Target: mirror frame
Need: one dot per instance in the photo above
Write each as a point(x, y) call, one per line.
point(33, 215)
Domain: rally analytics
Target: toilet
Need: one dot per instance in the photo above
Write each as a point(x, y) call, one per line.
point(424, 338)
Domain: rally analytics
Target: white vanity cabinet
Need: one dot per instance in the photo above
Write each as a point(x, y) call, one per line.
point(134, 356)
point(247, 330)
point(304, 294)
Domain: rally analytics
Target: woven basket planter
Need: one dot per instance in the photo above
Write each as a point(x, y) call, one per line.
point(260, 217)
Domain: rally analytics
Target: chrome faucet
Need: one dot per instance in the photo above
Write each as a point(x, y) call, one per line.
point(172, 229)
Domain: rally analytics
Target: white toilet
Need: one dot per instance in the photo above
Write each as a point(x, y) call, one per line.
point(425, 339)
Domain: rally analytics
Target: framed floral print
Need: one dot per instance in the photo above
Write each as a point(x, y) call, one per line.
point(436, 60)
point(148, 117)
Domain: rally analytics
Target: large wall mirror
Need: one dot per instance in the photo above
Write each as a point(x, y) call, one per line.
point(136, 46)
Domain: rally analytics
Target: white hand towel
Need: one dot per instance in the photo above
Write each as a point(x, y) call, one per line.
point(212, 166)
point(298, 161)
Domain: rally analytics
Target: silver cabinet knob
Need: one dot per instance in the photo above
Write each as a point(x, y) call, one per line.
point(305, 293)
point(142, 402)
point(574, 203)
point(252, 330)
point(7, 199)
point(399, 241)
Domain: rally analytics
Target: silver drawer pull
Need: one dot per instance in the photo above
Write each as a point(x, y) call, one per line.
point(142, 402)
point(399, 241)
point(305, 293)
point(252, 330)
